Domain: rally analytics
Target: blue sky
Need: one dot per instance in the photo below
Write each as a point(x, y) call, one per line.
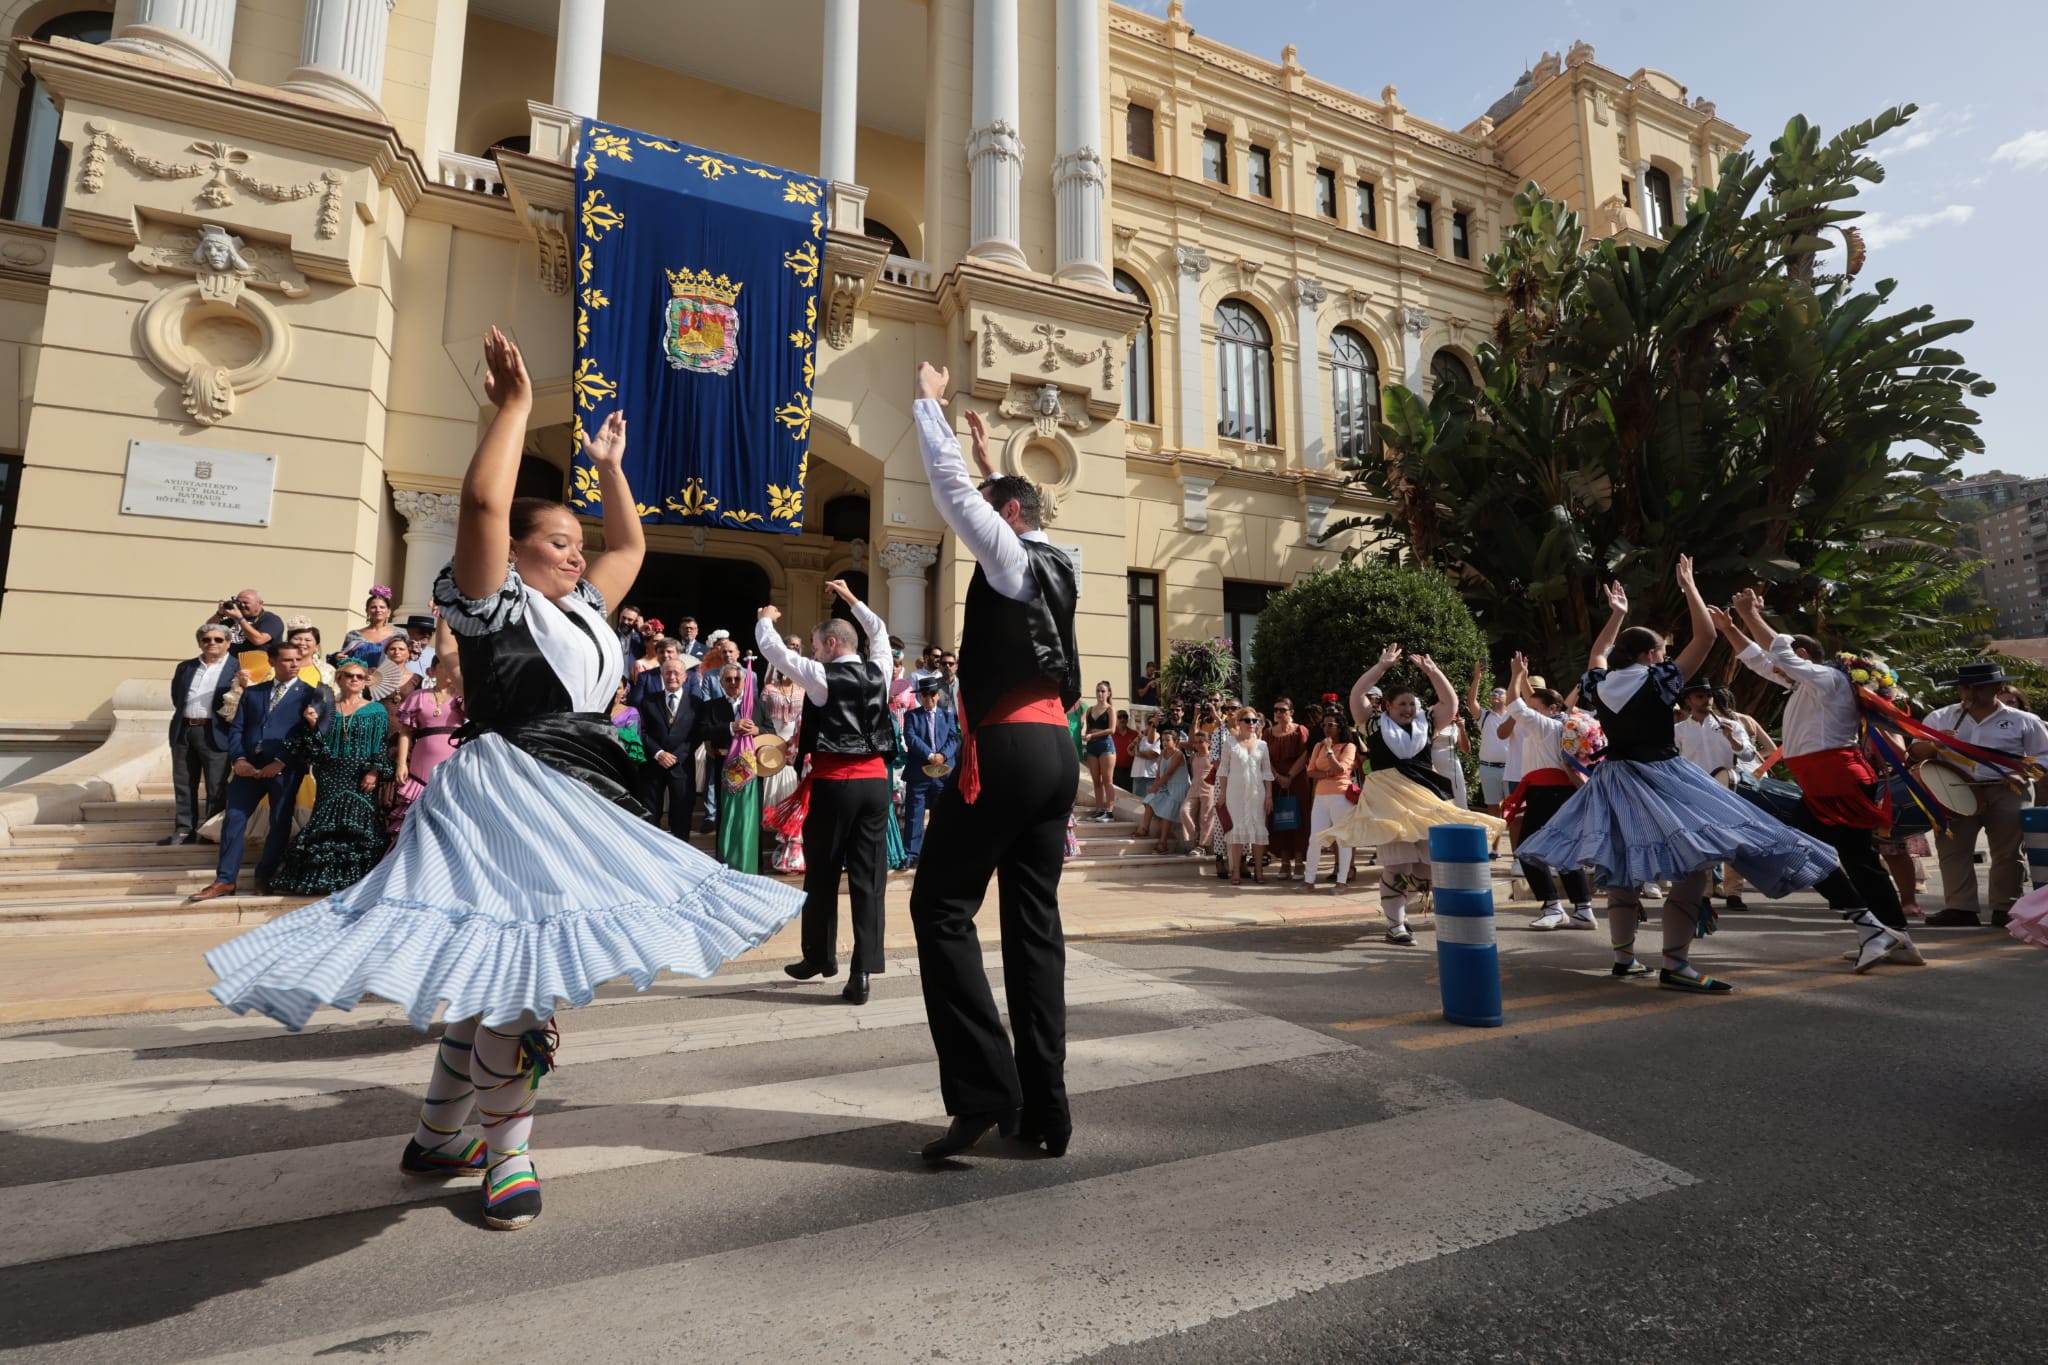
point(1960, 216)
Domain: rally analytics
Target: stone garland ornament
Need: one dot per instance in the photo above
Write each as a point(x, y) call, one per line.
point(221, 163)
point(1051, 343)
point(184, 331)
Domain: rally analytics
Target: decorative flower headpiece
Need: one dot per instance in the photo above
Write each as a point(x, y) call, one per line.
point(652, 626)
point(293, 623)
point(1331, 697)
point(380, 591)
point(1866, 670)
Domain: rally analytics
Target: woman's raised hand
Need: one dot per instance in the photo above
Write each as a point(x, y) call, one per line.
point(607, 449)
point(1685, 571)
point(1617, 598)
point(505, 377)
point(1390, 656)
point(1518, 667)
point(933, 381)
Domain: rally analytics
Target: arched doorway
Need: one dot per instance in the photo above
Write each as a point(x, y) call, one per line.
point(723, 594)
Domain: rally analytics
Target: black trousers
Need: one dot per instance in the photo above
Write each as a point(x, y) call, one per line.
point(1862, 882)
point(847, 827)
point(1540, 807)
point(193, 757)
point(669, 793)
point(1017, 833)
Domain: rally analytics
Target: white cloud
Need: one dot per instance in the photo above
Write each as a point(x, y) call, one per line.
point(1931, 124)
point(1882, 229)
point(2028, 149)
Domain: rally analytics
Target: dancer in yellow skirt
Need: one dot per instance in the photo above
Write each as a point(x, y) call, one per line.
point(1403, 795)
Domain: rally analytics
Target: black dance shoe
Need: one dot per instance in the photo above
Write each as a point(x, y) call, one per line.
point(856, 992)
point(804, 971)
point(1050, 1126)
point(968, 1129)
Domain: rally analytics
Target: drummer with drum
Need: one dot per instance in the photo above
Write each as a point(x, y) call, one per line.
point(1841, 797)
point(1981, 801)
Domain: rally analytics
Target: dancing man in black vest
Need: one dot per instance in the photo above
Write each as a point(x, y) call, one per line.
point(846, 732)
point(1003, 811)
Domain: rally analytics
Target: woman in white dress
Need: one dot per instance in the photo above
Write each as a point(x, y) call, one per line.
point(1244, 788)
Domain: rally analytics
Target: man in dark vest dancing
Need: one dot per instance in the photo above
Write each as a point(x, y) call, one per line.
point(1004, 810)
point(847, 733)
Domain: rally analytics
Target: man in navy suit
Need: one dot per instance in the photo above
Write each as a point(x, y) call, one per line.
point(269, 712)
point(931, 734)
point(199, 737)
point(668, 731)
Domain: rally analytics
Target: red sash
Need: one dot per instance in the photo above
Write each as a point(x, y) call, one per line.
point(1511, 809)
point(1834, 783)
point(1034, 703)
point(847, 767)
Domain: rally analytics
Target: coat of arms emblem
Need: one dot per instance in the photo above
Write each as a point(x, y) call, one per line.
point(703, 322)
point(202, 469)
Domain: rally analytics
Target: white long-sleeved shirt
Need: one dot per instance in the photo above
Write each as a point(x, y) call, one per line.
point(809, 673)
point(2007, 730)
point(1712, 743)
point(1821, 713)
point(998, 549)
point(198, 698)
point(1538, 738)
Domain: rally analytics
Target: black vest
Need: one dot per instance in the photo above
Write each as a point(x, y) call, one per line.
point(1417, 769)
point(855, 716)
point(1643, 730)
point(1005, 644)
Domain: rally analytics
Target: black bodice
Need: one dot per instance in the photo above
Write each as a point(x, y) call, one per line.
point(1643, 729)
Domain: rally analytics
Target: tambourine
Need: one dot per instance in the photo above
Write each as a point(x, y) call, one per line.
point(939, 769)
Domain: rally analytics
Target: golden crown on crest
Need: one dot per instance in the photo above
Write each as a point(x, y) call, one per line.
point(718, 288)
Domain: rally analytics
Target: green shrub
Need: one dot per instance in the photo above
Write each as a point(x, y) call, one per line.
point(1320, 634)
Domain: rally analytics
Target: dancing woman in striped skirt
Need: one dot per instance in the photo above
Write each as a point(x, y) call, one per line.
point(527, 874)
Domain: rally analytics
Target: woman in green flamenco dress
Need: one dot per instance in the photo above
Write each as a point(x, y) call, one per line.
point(345, 837)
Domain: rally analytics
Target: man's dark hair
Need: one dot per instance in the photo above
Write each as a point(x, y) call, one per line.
point(632, 607)
point(687, 621)
point(1810, 647)
point(1020, 490)
point(1546, 695)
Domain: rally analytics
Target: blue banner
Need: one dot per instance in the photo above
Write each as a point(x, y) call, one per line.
point(697, 315)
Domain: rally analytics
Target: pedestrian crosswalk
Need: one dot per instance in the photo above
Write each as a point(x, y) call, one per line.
point(192, 1142)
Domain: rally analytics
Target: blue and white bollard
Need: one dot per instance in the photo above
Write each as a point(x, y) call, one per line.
point(2034, 835)
point(1467, 962)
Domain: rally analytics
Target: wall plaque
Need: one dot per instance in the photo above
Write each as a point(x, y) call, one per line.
point(194, 483)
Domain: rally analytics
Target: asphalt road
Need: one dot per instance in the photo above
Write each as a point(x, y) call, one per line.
point(1280, 1155)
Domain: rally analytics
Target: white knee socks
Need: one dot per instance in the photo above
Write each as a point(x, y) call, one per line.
point(506, 1067)
point(450, 1095)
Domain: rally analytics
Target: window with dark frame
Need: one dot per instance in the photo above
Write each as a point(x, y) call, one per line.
point(10, 499)
point(1461, 236)
point(1368, 206)
point(1447, 370)
point(1425, 225)
point(1138, 133)
point(1141, 595)
point(1137, 356)
point(1215, 158)
point(1258, 172)
point(1242, 603)
point(1326, 192)
point(1244, 374)
point(1657, 215)
point(1354, 394)
point(38, 163)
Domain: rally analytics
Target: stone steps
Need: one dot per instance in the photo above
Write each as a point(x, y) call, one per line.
point(103, 857)
point(156, 811)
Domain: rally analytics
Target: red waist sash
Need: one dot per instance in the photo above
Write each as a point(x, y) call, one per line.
point(1511, 809)
point(847, 767)
point(1835, 783)
point(1034, 703)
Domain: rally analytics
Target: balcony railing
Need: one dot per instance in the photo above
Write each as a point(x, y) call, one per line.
point(908, 273)
point(474, 173)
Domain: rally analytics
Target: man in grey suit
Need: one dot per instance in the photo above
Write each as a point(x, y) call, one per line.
point(199, 737)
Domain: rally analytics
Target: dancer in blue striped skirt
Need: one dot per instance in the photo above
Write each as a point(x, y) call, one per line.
point(528, 874)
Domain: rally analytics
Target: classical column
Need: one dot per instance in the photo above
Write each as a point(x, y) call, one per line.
point(995, 155)
point(1193, 261)
point(341, 55)
point(839, 104)
point(579, 56)
point(1415, 367)
point(429, 544)
point(1680, 209)
point(1643, 195)
point(906, 562)
point(1308, 371)
point(189, 32)
point(1079, 178)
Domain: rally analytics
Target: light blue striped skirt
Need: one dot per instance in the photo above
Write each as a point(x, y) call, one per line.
point(512, 889)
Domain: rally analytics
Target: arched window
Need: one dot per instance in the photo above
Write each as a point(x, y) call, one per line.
point(38, 163)
point(1657, 215)
point(1354, 394)
point(875, 227)
point(1446, 370)
point(1244, 374)
point(846, 517)
point(1137, 357)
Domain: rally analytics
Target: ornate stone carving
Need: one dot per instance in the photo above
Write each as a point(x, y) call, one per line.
point(1126, 233)
point(907, 558)
point(1412, 320)
point(1247, 271)
point(1191, 260)
point(551, 235)
point(1546, 67)
point(23, 252)
point(1194, 502)
point(1047, 407)
point(1310, 293)
point(223, 263)
point(998, 140)
point(427, 509)
point(1578, 54)
point(222, 165)
point(1703, 105)
point(1083, 164)
point(1050, 344)
point(841, 303)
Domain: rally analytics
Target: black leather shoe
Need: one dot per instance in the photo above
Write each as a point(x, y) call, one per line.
point(1052, 1127)
point(1955, 919)
point(968, 1129)
point(856, 992)
point(804, 971)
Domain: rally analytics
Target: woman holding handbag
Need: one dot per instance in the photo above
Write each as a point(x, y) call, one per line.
point(1293, 790)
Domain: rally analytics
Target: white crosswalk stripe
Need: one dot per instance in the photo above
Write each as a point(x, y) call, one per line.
point(1128, 1255)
